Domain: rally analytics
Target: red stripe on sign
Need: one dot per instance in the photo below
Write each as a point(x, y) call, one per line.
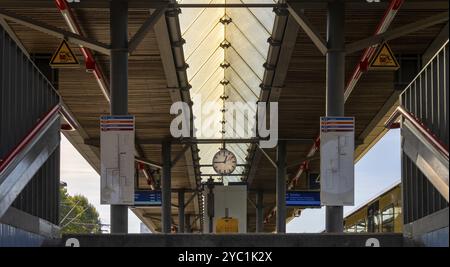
point(115, 122)
point(338, 122)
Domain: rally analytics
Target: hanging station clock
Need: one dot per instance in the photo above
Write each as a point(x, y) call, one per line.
point(224, 162)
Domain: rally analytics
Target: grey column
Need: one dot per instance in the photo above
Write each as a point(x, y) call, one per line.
point(119, 88)
point(166, 198)
point(181, 217)
point(335, 88)
point(281, 187)
point(259, 212)
point(188, 228)
point(210, 205)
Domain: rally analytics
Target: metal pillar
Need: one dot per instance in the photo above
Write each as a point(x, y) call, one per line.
point(281, 187)
point(166, 211)
point(119, 88)
point(210, 205)
point(259, 212)
point(335, 88)
point(181, 217)
point(188, 228)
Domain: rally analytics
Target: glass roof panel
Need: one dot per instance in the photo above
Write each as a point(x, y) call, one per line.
point(237, 82)
point(241, 96)
point(205, 50)
point(199, 78)
point(210, 82)
point(242, 72)
point(254, 31)
point(265, 15)
point(245, 49)
point(200, 28)
point(225, 58)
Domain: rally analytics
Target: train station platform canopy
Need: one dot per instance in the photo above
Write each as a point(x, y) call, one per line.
point(226, 50)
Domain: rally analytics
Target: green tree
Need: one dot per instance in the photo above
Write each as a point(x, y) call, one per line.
point(77, 215)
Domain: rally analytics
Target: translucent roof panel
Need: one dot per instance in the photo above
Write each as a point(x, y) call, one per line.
point(225, 50)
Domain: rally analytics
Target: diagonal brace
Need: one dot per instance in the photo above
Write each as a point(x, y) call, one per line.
point(144, 29)
point(309, 29)
point(396, 33)
point(57, 32)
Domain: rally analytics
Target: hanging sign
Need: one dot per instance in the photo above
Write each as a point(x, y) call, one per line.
point(337, 145)
point(147, 198)
point(117, 160)
point(304, 199)
point(384, 59)
point(64, 57)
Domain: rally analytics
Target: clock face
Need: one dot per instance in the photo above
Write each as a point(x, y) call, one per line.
point(224, 162)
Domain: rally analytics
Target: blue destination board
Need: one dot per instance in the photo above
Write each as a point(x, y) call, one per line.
point(303, 199)
point(147, 198)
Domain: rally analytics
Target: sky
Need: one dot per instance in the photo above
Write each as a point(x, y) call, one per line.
point(375, 172)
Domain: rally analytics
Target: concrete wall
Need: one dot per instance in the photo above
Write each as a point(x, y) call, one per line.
point(231, 240)
point(233, 197)
point(15, 237)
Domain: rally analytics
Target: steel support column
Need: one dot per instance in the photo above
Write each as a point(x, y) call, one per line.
point(188, 228)
point(119, 88)
point(166, 211)
point(259, 212)
point(181, 217)
point(281, 187)
point(335, 88)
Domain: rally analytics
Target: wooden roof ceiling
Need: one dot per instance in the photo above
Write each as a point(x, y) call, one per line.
point(301, 103)
point(302, 99)
point(149, 97)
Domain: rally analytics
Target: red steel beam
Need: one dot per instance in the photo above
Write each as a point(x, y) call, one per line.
point(419, 125)
point(91, 64)
point(30, 135)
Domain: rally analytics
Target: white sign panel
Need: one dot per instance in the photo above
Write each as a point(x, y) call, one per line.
point(337, 145)
point(117, 160)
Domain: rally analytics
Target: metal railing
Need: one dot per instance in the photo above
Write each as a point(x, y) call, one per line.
point(427, 95)
point(424, 105)
point(421, 127)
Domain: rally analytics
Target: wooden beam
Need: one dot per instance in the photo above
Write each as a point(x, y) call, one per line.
point(144, 29)
point(309, 29)
point(146, 4)
point(56, 32)
point(396, 33)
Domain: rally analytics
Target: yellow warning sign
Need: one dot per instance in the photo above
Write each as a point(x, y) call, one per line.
point(64, 57)
point(384, 59)
point(227, 225)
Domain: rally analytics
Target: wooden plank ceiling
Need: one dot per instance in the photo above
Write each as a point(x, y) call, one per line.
point(302, 99)
point(301, 103)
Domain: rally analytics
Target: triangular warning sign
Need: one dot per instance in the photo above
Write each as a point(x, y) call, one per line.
point(384, 59)
point(64, 57)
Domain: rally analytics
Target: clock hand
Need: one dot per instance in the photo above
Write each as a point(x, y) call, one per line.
point(225, 161)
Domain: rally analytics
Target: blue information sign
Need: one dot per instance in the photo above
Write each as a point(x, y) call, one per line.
point(303, 198)
point(147, 198)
